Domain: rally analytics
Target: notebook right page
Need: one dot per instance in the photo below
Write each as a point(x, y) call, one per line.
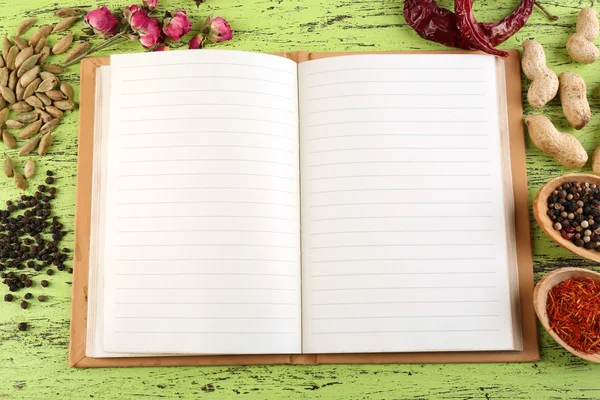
point(404, 233)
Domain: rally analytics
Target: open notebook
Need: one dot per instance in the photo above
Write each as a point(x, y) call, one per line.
point(252, 204)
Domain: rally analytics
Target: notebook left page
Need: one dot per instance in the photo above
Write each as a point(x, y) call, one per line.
point(201, 245)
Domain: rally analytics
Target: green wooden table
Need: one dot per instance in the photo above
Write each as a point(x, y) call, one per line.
point(33, 364)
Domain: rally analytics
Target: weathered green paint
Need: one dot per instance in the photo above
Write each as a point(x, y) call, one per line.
point(33, 364)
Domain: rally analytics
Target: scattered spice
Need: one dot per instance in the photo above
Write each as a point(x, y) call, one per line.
point(573, 308)
point(30, 240)
point(24, 304)
point(22, 326)
point(8, 297)
point(42, 298)
point(574, 207)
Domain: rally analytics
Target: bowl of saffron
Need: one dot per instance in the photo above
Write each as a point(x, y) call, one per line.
point(567, 302)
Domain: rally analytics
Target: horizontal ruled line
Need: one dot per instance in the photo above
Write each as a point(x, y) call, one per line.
point(208, 132)
point(403, 288)
point(206, 333)
point(392, 108)
point(396, 189)
point(204, 145)
point(400, 202)
point(398, 162)
point(236, 303)
point(171, 174)
point(397, 148)
point(206, 245)
point(393, 81)
point(205, 259)
point(395, 68)
point(405, 302)
point(205, 288)
point(155, 78)
point(397, 121)
point(401, 175)
point(203, 216)
point(201, 118)
point(207, 160)
point(209, 104)
point(209, 230)
point(396, 94)
point(369, 135)
point(206, 91)
point(204, 187)
point(410, 230)
point(188, 317)
point(400, 217)
point(207, 63)
point(403, 259)
point(407, 317)
point(402, 245)
point(407, 331)
point(202, 274)
point(210, 202)
point(406, 273)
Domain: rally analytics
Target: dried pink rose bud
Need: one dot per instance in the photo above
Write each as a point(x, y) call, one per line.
point(162, 48)
point(150, 33)
point(177, 26)
point(102, 21)
point(136, 17)
point(217, 29)
point(197, 42)
point(151, 5)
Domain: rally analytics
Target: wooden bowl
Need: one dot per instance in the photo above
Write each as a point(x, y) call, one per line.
point(540, 209)
point(540, 294)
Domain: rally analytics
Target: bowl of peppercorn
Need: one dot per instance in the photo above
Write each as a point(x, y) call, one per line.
point(567, 209)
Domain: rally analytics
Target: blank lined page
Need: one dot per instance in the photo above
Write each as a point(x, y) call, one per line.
point(202, 206)
point(404, 237)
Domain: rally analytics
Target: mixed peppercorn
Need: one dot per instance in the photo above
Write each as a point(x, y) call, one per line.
point(29, 242)
point(574, 207)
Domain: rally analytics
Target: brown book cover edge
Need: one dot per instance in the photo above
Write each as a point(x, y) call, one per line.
point(77, 347)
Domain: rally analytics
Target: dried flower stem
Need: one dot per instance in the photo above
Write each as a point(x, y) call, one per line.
point(119, 38)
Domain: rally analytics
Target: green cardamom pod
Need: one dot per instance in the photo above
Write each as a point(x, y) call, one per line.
point(9, 140)
point(65, 24)
point(29, 146)
point(77, 51)
point(63, 44)
point(29, 169)
point(27, 117)
point(30, 130)
point(64, 105)
point(45, 144)
point(19, 41)
point(20, 181)
point(25, 25)
point(22, 56)
point(9, 166)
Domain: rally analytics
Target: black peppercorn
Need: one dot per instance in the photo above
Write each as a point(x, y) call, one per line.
point(8, 297)
point(42, 298)
point(41, 188)
point(49, 180)
point(70, 270)
point(52, 190)
point(49, 173)
point(22, 326)
point(24, 304)
point(44, 283)
point(28, 283)
point(13, 287)
point(50, 272)
point(27, 296)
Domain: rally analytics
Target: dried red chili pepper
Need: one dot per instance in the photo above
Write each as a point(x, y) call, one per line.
point(439, 24)
point(435, 23)
point(500, 31)
point(470, 28)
